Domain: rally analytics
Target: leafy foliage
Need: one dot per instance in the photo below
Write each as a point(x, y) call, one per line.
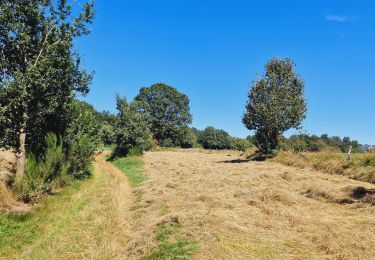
point(275, 104)
point(239, 144)
point(212, 138)
point(107, 123)
point(167, 111)
point(41, 173)
point(313, 143)
point(132, 129)
point(187, 137)
point(39, 70)
point(81, 137)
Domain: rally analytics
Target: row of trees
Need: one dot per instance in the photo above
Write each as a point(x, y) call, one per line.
point(159, 115)
point(314, 143)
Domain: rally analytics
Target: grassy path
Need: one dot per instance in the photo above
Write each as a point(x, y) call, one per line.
point(89, 220)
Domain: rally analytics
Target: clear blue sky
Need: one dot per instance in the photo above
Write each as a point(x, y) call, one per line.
point(211, 50)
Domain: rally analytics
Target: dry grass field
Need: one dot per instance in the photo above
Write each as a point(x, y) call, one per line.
point(232, 208)
point(7, 160)
point(361, 166)
point(198, 204)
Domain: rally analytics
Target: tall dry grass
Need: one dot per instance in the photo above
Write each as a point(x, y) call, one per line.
point(360, 166)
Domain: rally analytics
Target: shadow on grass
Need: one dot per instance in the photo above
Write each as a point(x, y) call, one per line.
point(235, 161)
point(257, 157)
point(360, 192)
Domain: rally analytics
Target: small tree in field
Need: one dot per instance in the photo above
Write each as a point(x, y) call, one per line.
point(276, 103)
point(132, 131)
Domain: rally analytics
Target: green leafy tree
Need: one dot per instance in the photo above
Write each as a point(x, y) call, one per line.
point(276, 103)
point(81, 137)
point(107, 134)
point(107, 123)
point(39, 70)
point(212, 138)
point(187, 137)
point(239, 144)
point(132, 130)
point(167, 110)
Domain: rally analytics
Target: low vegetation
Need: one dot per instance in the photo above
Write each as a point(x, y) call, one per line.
point(171, 244)
point(86, 220)
point(361, 166)
point(132, 167)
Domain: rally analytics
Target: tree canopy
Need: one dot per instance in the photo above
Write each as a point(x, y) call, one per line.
point(166, 108)
point(276, 103)
point(132, 131)
point(39, 70)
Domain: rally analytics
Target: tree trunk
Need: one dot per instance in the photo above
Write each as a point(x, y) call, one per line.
point(21, 153)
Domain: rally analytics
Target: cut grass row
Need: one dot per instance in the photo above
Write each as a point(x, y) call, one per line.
point(171, 242)
point(85, 220)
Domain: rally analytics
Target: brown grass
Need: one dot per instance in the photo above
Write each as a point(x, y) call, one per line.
point(87, 220)
point(359, 167)
point(7, 201)
point(238, 209)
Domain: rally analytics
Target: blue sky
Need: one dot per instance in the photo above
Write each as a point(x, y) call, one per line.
point(212, 49)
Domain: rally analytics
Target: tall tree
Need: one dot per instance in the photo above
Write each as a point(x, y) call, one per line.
point(166, 108)
point(39, 70)
point(276, 103)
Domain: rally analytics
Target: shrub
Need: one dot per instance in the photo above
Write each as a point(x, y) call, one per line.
point(80, 155)
point(168, 142)
point(81, 138)
point(50, 169)
point(132, 130)
point(212, 138)
point(187, 137)
point(239, 144)
point(107, 134)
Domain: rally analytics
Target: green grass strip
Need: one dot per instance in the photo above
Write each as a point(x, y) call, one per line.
point(172, 245)
point(132, 167)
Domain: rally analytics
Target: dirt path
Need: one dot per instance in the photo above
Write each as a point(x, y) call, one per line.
point(94, 223)
point(234, 209)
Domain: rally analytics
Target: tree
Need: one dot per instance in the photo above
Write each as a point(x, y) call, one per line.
point(132, 131)
point(81, 137)
point(276, 104)
point(167, 110)
point(239, 144)
point(187, 137)
point(107, 122)
point(39, 71)
point(212, 138)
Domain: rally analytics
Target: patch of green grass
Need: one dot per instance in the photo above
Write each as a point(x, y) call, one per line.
point(171, 244)
point(21, 229)
point(132, 167)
